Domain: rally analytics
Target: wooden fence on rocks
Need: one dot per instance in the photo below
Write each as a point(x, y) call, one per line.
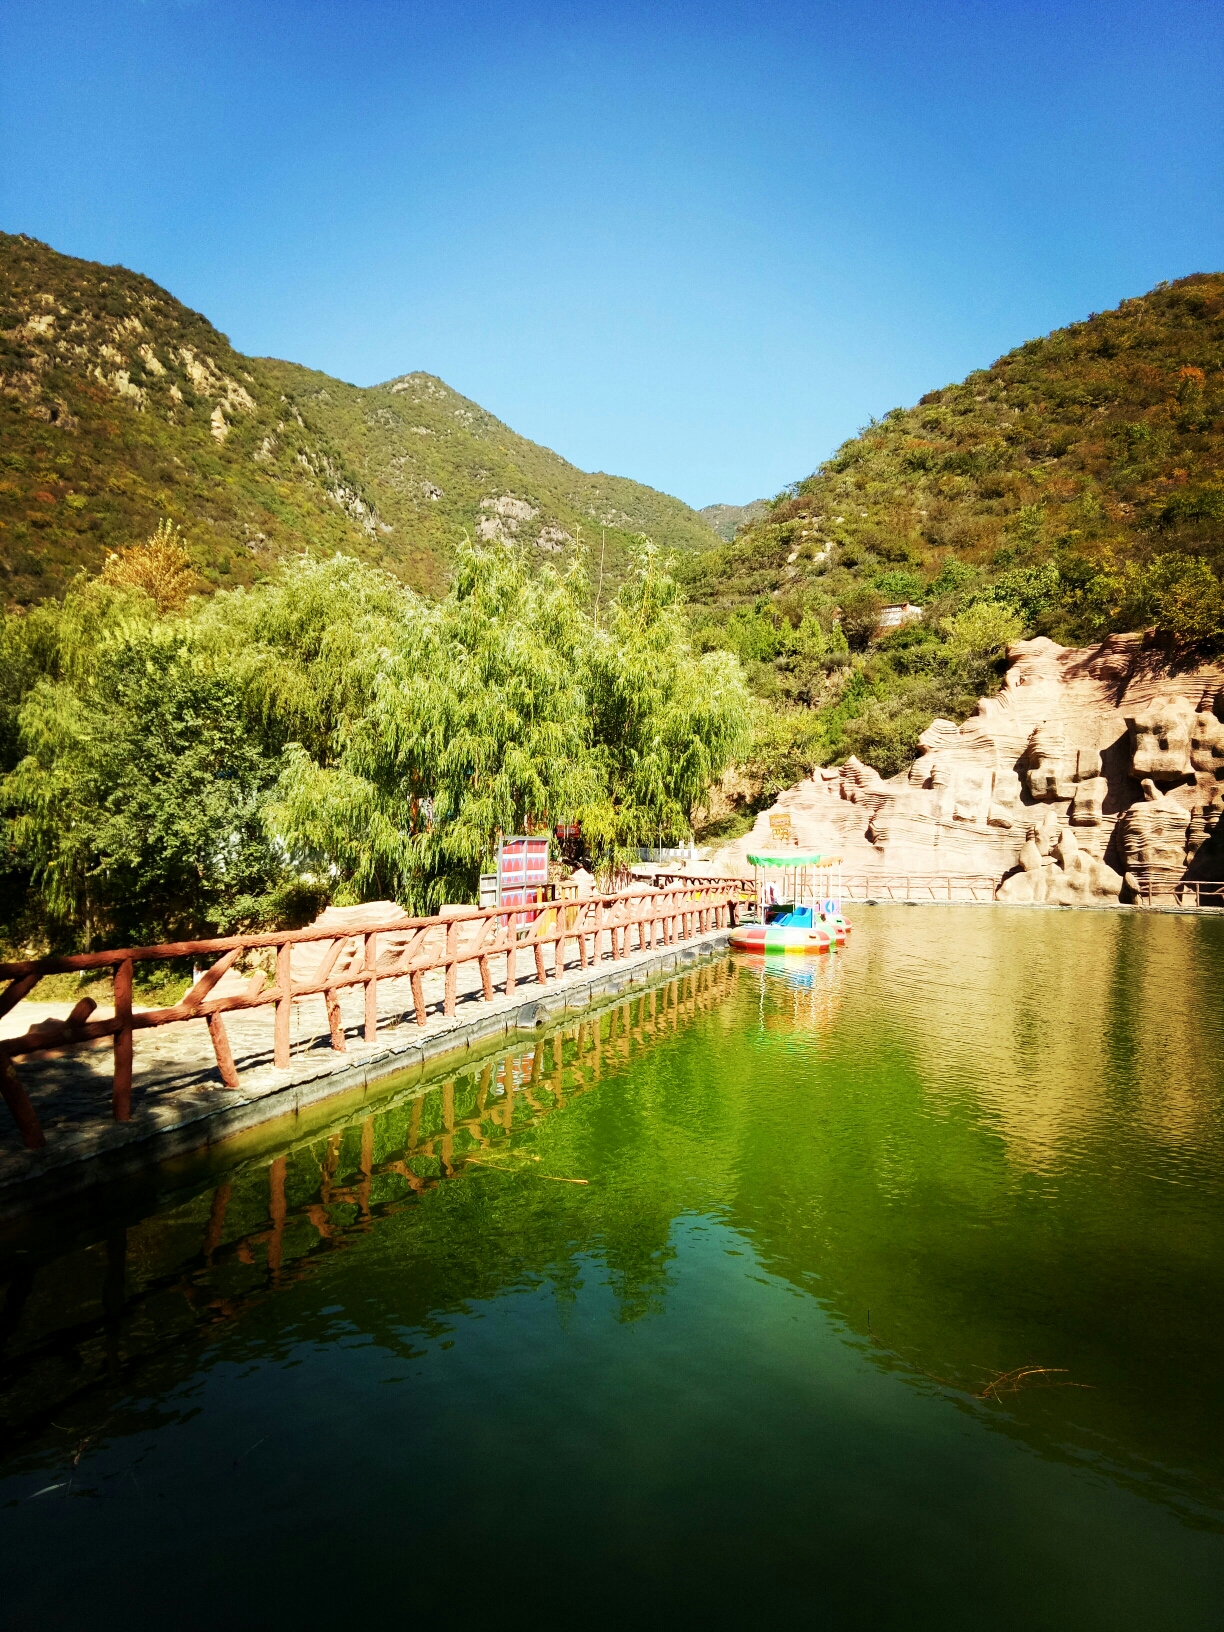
point(345, 948)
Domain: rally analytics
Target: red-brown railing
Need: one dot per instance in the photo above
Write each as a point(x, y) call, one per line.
point(919, 886)
point(396, 948)
point(1206, 894)
point(742, 888)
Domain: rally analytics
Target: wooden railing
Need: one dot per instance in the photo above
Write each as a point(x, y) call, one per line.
point(919, 887)
point(739, 889)
point(1207, 894)
point(398, 948)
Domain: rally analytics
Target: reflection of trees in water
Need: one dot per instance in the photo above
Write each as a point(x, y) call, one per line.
point(1057, 1023)
point(986, 1154)
point(123, 1305)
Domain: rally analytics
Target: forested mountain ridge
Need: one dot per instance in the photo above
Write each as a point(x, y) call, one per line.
point(120, 406)
point(1073, 488)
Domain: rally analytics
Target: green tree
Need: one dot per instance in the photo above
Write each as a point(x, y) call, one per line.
point(136, 806)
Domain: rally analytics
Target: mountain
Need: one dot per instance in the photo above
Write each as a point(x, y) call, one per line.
point(120, 406)
point(727, 519)
point(1075, 489)
point(1102, 442)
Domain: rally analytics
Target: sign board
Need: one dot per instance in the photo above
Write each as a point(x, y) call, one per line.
point(522, 870)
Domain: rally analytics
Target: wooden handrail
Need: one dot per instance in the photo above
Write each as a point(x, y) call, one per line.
point(660, 917)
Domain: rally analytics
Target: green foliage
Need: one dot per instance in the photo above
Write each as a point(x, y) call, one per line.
point(665, 722)
point(1180, 595)
point(1030, 592)
point(136, 808)
point(786, 745)
point(333, 735)
point(985, 629)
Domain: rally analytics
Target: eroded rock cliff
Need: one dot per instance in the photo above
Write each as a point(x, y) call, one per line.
point(1094, 774)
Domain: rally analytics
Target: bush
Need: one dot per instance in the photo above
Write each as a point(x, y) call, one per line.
point(1179, 594)
point(985, 629)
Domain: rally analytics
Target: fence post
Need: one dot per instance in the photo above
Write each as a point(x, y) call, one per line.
point(284, 1005)
point(371, 988)
point(17, 1100)
point(121, 1094)
point(452, 970)
point(511, 929)
point(221, 1048)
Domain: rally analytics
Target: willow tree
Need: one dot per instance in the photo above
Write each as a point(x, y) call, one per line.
point(332, 733)
point(665, 722)
point(475, 724)
point(502, 709)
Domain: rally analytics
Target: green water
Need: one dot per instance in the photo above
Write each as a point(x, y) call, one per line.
point(894, 1290)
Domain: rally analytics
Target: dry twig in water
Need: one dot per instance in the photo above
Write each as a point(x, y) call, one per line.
point(1011, 1382)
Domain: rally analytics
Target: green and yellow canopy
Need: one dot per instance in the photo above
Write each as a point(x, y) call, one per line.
point(795, 859)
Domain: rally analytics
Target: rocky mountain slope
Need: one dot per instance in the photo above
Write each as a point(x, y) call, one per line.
point(727, 519)
point(119, 406)
point(1102, 441)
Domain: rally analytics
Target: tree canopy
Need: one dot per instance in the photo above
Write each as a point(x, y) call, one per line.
point(332, 735)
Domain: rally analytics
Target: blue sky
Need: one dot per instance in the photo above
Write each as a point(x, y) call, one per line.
point(697, 245)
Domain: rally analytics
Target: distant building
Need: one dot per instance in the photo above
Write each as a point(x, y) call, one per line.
point(892, 617)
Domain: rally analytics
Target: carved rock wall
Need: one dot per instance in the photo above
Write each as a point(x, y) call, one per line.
point(1094, 772)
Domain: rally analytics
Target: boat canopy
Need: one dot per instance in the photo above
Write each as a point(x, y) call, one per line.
point(795, 858)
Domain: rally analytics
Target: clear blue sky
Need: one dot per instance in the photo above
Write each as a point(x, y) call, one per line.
point(694, 244)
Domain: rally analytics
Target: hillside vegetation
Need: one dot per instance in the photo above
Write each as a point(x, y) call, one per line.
point(120, 407)
point(1074, 488)
point(727, 519)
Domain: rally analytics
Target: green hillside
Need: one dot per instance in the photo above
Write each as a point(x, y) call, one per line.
point(119, 405)
point(727, 519)
point(1074, 487)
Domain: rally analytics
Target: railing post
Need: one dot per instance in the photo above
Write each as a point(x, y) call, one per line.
point(18, 1102)
point(121, 1094)
point(284, 1006)
point(452, 952)
point(371, 988)
point(598, 937)
point(221, 1048)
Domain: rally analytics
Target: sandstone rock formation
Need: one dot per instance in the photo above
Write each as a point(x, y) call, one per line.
point(1095, 773)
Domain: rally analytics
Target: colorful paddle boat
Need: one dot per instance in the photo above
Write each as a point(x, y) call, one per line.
point(798, 905)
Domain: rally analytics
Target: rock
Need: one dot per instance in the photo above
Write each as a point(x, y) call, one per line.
point(1057, 758)
point(1207, 744)
point(1160, 741)
point(1068, 876)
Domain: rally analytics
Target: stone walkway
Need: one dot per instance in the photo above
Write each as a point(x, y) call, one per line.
point(179, 1104)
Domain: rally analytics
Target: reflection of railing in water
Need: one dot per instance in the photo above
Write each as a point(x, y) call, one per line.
point(451, 1125)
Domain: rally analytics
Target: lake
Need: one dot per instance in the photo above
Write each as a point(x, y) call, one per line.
point(886, 1284)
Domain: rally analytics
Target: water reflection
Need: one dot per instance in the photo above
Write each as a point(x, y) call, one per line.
point(1056, 1023)
point(976, 1157)
point(81, 1313)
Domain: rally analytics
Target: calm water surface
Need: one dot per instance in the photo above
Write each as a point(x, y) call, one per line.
point(894, 1289)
